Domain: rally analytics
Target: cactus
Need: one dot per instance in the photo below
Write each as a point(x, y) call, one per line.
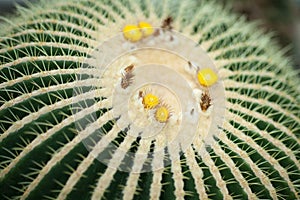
point(63, 131)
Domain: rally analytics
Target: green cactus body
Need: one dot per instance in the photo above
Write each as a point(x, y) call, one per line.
point(52, 150)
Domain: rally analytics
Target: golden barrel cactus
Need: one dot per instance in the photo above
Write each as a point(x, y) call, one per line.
point(145, 99)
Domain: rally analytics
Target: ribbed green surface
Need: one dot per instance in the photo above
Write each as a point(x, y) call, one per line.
point(257, 155)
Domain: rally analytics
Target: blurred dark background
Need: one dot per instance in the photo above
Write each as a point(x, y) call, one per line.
point(8, 6)
point(279, 16)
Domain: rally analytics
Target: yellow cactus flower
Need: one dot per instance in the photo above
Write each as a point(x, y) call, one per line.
point(207, 77)
point(150, 101)
point(132, 33)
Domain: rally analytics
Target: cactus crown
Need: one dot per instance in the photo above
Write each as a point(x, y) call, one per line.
point(65, 133)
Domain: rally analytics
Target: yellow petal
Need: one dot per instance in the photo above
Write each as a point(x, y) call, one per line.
point(146, 28)
point(207, 77)
point(162, 114)
point(150, 101)
point(132, 33)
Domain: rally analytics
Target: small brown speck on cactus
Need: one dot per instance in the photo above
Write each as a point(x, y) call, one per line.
point(145, 99)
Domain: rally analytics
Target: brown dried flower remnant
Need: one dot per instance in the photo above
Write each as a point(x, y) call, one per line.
point(167, 23)
point(205, 101)
point(127, 76)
